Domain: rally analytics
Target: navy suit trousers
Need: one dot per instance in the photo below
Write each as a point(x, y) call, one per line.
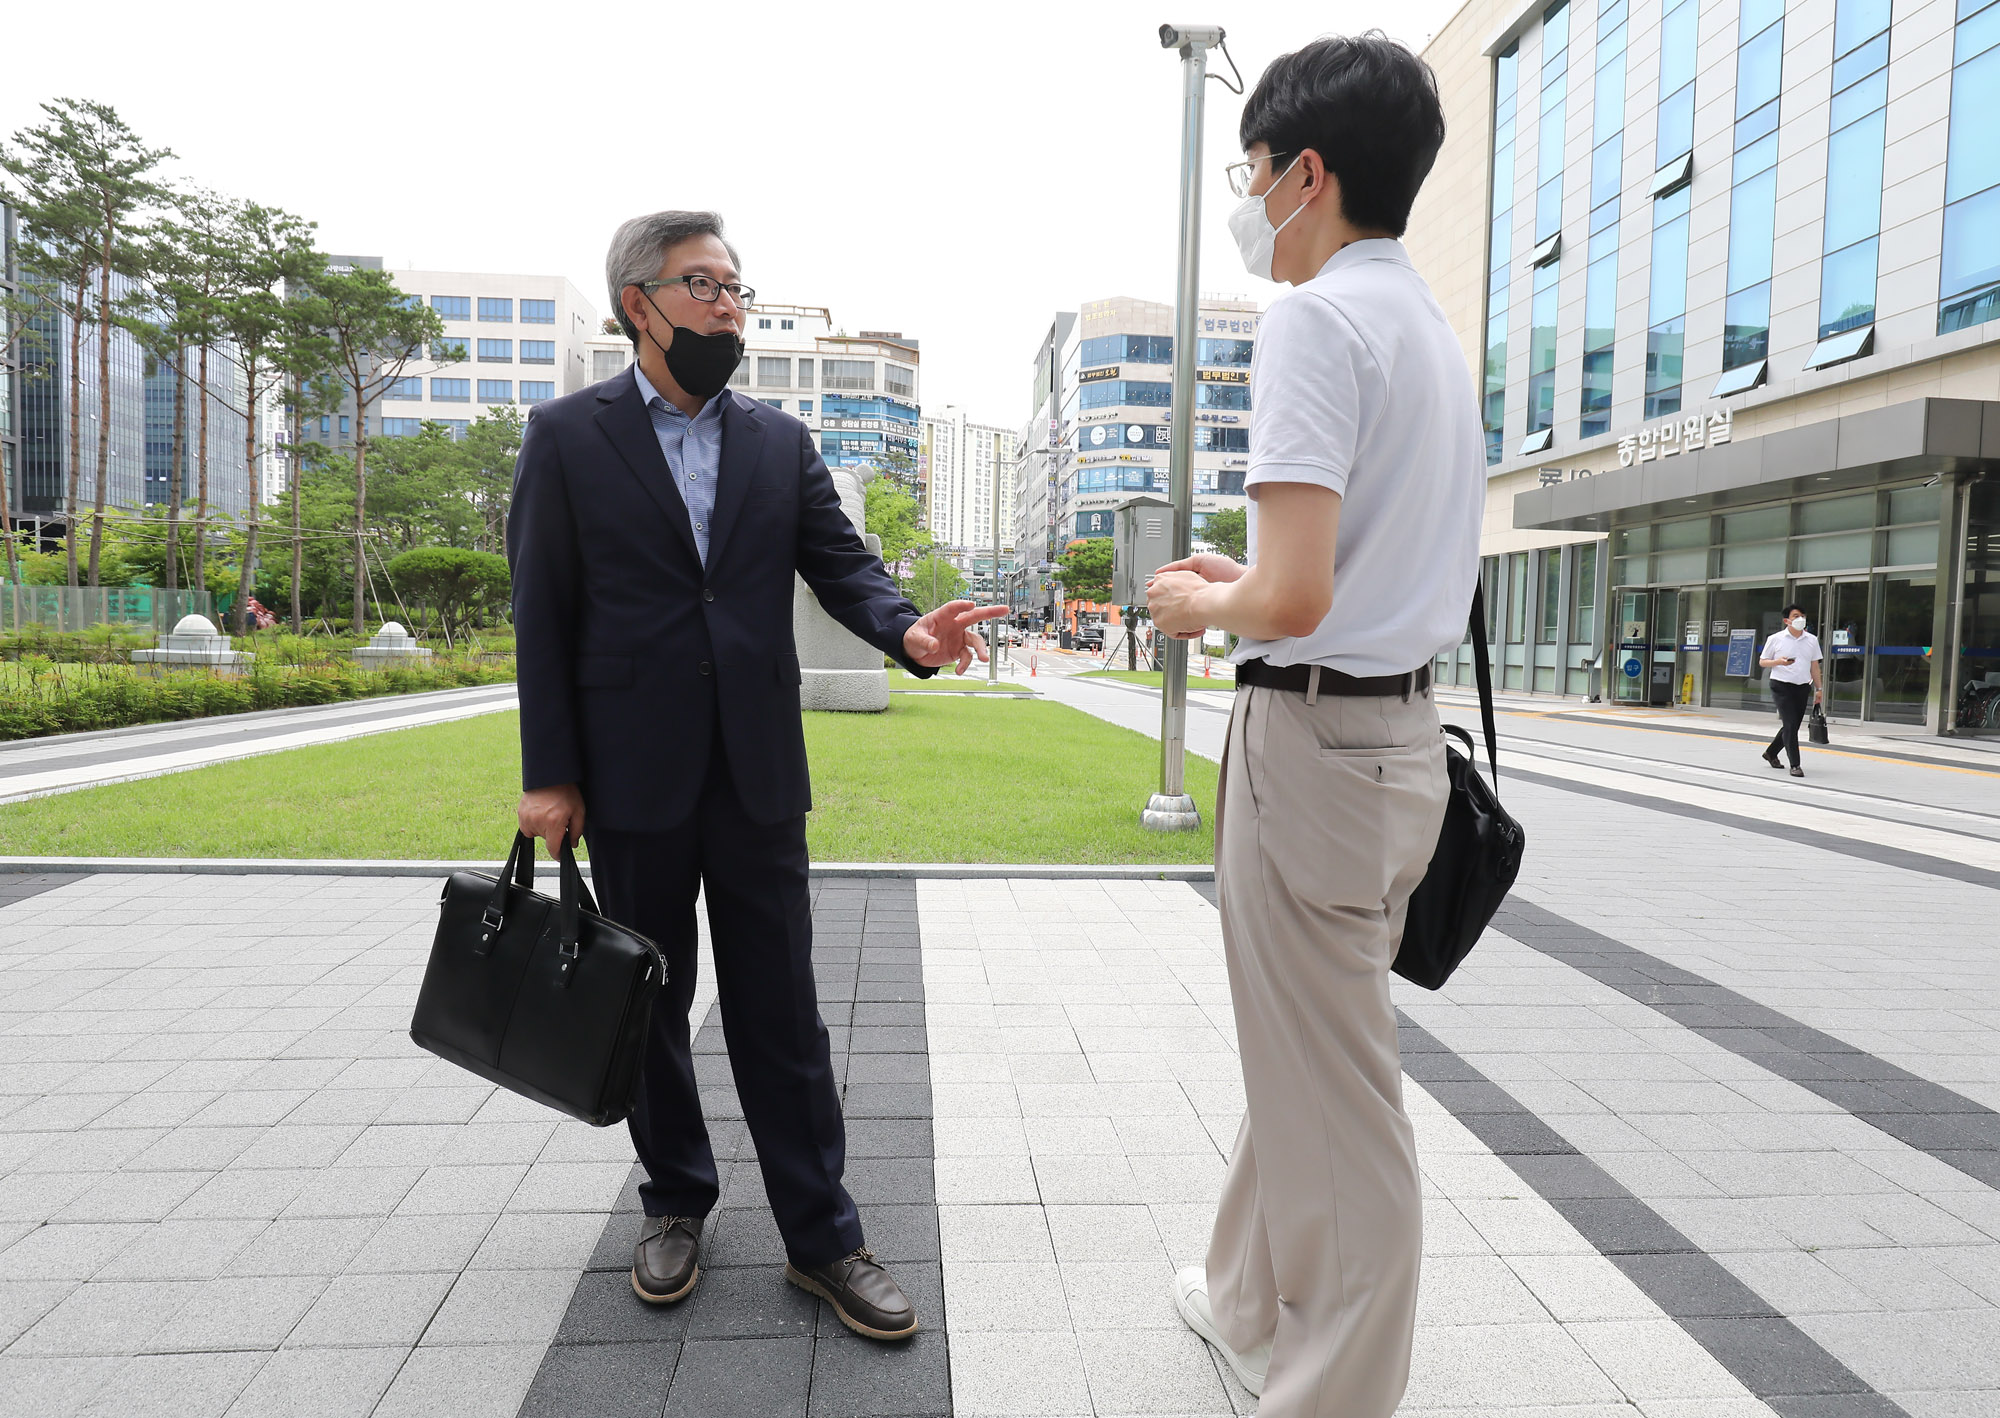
point(760, 927)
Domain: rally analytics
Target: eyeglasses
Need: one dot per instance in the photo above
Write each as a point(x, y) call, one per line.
point(706, 288)
point(1241, 173)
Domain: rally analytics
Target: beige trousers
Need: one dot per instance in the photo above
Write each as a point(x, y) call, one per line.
point(1326, 819)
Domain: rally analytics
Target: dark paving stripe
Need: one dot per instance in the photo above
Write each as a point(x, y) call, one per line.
point(1804, 836)
point(1769, 1355)
point(1772, 1357)
point(1925, 1115)
point(1765, 1351)
point(746, 1343)
point(28, 885)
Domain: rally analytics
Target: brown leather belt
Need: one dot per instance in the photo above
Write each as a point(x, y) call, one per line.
point(1298, 679)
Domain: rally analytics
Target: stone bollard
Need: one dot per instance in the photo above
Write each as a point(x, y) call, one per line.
point(390, 645)
point(837, 669)
point(193, 644)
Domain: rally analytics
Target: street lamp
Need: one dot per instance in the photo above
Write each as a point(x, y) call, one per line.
point(1171, 809)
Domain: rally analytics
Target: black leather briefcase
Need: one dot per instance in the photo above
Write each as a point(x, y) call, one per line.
point(545, 998)
point(1478, 853)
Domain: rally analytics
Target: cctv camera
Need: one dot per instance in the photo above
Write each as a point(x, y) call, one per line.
point(1182, 36)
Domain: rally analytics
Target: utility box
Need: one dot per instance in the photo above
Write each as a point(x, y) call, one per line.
point(1142, 543)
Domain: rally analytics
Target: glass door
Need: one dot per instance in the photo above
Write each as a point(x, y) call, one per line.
point(1901, 671)
point(1663, 677)
point(1632, 648)
point(1844, 641)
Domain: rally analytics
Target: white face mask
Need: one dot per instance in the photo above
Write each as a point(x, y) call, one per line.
point(1251, 225)
point(1798, 622)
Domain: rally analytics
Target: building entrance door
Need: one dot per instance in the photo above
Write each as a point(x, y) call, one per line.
point(1844, 641)
point(1632, 649)
point(1663, 674)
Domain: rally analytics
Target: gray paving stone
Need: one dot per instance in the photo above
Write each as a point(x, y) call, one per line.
point(175, 1385)
point(603, 1309)
point(106, 1318)
point(362, 1311)
point(750, 1302)
point(606, 1381)
point(320, 1383)
point(237, 1313)
point(503, 1307)
point(741, 1378)
point(40, 1387)
point(471, 1381)
point(858, 1378)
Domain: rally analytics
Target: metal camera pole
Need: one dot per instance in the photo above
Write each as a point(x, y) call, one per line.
point(1171, 809)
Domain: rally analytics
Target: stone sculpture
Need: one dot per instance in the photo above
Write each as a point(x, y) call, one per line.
point(193, 644)
point(838, 670)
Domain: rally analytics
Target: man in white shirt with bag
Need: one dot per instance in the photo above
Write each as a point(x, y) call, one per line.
point(1793, 657)
point(1367, 484)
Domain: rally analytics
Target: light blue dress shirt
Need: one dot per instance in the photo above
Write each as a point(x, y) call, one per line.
point(693, 450)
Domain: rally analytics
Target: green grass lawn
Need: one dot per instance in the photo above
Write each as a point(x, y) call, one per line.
point(934, 779)
point(1152, 677)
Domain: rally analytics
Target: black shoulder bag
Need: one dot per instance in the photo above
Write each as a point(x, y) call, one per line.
point(1478, 852)
point(545, 998)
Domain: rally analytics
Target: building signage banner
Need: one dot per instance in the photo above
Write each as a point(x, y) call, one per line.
point(1663, 440)
point(1229, 324)
point(1742, 653)
point(1096, 524)
point(1223, 376)
point(1091, 376)
point(1131, 435)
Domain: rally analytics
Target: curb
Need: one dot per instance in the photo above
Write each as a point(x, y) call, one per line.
point(335, 866)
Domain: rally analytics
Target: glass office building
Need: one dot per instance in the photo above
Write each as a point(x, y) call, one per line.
point(1773, 376)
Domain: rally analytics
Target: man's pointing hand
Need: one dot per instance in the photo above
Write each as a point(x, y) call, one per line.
point(946, 635)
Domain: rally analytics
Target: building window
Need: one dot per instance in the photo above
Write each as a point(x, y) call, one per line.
point(897, 380)
point(1110, 393)
point(538, 312)
point(1549, 139)
point(496, 309)
point(1969, 285)
point(496, 391)
point(496, 351)
point(1493, 398)
point(452, 307)
point(402, 428)
point(410, 389)
point(805, 374)
point(1600, 277)
point(451, 391)
point(607, 364)
point(774, 373)
point(778, 404)
point(1130, 349)
point(847, 374)
point(450, 349)
point(534, 391)
point(538, 351)
point(1753, 196)
point(1233, 354)
point(1675, 135)
point(325, 423)
point(1220, 396)
point(741, 377)
point(763, 322)
point(457, 428)
point(784, 324)
point(1854, 165)
point(805, 408)
point(1666, 310)
point(346, 426)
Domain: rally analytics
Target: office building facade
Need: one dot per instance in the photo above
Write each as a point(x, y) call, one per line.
point(1041, 458)
point(1732, 318)
point(964, 465)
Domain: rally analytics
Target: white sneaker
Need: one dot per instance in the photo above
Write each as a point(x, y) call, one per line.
point(1191, 1299)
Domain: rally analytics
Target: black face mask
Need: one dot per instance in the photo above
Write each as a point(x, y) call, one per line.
point(700, 364)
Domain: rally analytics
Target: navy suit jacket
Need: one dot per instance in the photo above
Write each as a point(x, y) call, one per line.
point(632, 657)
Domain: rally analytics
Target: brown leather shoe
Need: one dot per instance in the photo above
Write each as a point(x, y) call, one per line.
point(664, 1265)
point(861, 1293)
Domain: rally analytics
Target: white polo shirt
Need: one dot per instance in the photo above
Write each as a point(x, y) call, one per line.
point(1803, 650)
point(1359, 385)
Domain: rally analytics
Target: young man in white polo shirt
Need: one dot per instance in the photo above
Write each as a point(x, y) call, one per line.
point(1367, 482)
point(1792, 655)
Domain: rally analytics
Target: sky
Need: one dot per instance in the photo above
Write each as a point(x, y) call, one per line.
point(957, 172)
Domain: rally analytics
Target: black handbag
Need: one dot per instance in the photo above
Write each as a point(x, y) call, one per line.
point(1816, 724)
point(1478, 852)
point(545, 998)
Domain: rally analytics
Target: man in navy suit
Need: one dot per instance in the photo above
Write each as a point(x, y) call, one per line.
point(657, 521)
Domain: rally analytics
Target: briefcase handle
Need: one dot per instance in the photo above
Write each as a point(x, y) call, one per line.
point(519, 871)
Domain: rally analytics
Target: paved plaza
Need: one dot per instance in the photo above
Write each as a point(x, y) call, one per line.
point(1707, 1128)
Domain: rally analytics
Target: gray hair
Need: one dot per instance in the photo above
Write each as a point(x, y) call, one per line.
point(640, 245)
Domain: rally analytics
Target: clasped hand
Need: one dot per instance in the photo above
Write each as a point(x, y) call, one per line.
point(1173, 593)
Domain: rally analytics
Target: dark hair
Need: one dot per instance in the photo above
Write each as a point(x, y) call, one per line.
point(1368, 107)
point(1795, 606)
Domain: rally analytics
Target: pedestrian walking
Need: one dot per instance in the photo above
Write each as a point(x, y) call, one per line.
point(1792, 655)
point(1367, 482)
point(657, 523)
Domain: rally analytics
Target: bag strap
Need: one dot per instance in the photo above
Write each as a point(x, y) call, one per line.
point(518, 871)
point(1484, 673)
point(576, 897)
